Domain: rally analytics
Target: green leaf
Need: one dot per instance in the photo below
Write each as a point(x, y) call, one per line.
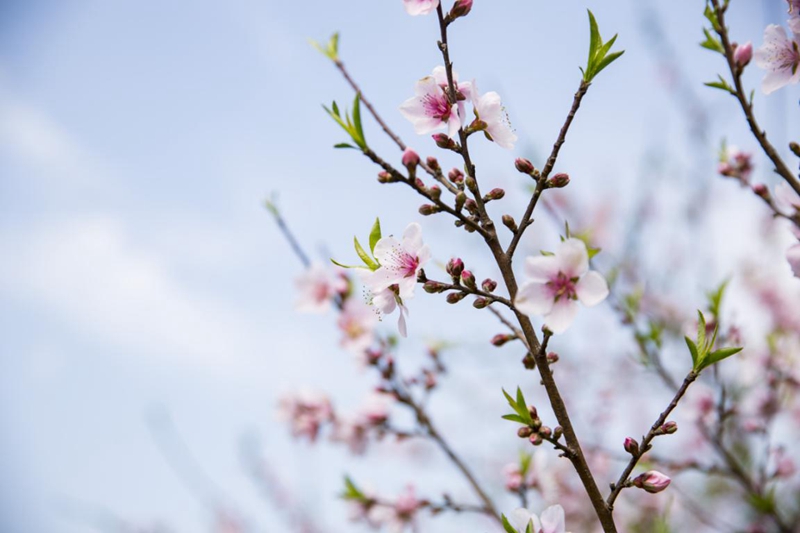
point(712, 43)
point(345, 145)
point(357, 116)
point(330, 50)
point(693, 349)
point(719, 355)
point(523, 412)
point(606, 61)
point(351, 492)
point(374, 235)
point(529, 529)
point(715, 298)
point(525, 460)
point(368, 260)
point(521, 400)
point(514, 418)
point(711, 15)
point(594, 40)
point(599, 56)
point(337, 263)
point(506, 526)
point(701, 330)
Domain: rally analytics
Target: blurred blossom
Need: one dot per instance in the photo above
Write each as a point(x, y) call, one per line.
point(736, 164)
point(306, 412)
point(357, 321)
point(318, 286)
point(780, 56)
point(420, 7)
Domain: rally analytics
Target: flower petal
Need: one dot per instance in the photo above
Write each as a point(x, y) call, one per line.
point(542, 268)
point(534, 298)
point(521, 517)
point(793, 256)
point(561, 316)
point(591, 288)
point(412, 238)
point(553, 520)
point(573, 259)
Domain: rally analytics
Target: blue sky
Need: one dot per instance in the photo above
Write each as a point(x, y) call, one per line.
point(141, 273)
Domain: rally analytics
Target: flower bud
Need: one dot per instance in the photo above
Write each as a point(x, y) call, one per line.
point(524, 432)
point(468, 279)
point(669, 428)
point(552, 357)
point(434, 287)
point(410, 159)
point(501, 338)
point(471, 205)
point(433, 163)
point(461, 199)
point(558, 431)
point(428, 209)
point(545, 432)
point(795, 148)
point(558, 181)
point(435, 192)
point(461, 9)
point(761, 190)
point(743, 54)
point(494, 194)
point(652, 481)
point(420, 184)
point(455, 297)
point(443, 141)
point(631, 446)
point(510, 223)
point(481, 303)
point(523, 165)
point(535, 439)
point(472, 185)
point(529, 362)
point(533, 412)
point(385, 177)
point(489, 285)
point(455, 176)
point(455, 267)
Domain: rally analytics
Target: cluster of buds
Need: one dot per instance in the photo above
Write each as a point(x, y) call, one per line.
point(536, 432)
point(736, 164)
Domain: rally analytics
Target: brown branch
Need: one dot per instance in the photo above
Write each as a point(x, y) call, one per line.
point(746, 105)
point(645, 446)
point(548, 168)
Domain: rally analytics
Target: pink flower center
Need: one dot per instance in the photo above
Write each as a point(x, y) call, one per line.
point(403, 263)
point(437, 106)
point(562, 287)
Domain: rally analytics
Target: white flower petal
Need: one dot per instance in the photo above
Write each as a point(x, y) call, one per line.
point(412, 238)
point(521, 517)
point(573, 259)
point(775, 80)
point(542, 268)
point(534, 298)
point(385, 250)
point(793, 256)
point(553, 520)
point(561, 316)
point(591, 288)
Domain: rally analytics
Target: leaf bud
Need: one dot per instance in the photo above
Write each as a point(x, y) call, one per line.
point(510, 223)
point(455, 297)
point(481, 303)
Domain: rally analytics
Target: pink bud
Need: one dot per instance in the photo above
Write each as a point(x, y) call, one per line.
point(468, 279)
point(443, 141)
point(761, 190)
point(743, 54)
point(652, 481)
point(523, 165)
point(631, 446)
point(461, 8)
point(456, 176)
point(500, 339)
point(558, 181)
point(455, 267)
point(410, 159)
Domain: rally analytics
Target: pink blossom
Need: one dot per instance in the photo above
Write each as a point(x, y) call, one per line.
point(743, 54)
point(375, 409)
point(306, 412)
point(557, 282)
point(786, 197)
point(514, 480)
point(552, 520)
point(400, 263)
point(737, 164)
point(652, 481)
point(430, 108)
point(793, 256)
point(780, 56)
point(490, 110)
point(420, 7)
point(318, 286)
point(357, 322)
point(794, 15)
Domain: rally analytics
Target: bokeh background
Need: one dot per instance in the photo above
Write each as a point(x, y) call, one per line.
point(146, 323)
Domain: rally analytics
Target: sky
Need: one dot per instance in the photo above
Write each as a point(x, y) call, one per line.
point(146, 293)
